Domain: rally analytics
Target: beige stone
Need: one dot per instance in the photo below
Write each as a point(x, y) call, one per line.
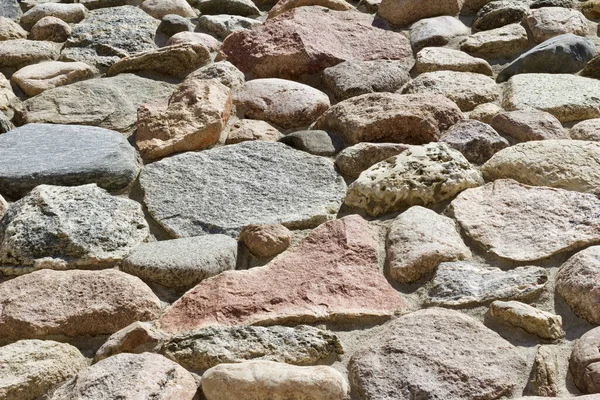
point(138, 337)
point(252, 129)
point(9, 30)
point(51, 29)
point(8, 99)
point(432, 59)
point(537, 322)
point(3, 206)
point(207, 41)
point(285, 5)
point(71, 13)
point(405, 12)
point(485, 112)
point(36, 78)
point(583, 364)
point(529, 125)
point(266, 240)
point(505, 42)
point(19, 53)
point(353, 160)
point(586, 130)
point(547, 22)
point(544, 378)
point(160, 8)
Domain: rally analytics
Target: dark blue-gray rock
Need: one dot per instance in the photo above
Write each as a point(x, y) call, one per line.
point(171, 24)
point(477, 141)
point(222, 26)
point(182, 263)
point(224, 189)
point(319, 143)
point(244, 8)
point(65, 155)
point(563, 54)
point(551, 3)
point(496, 14)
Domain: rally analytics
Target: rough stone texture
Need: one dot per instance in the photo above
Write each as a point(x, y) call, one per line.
point(405, 12)
point(203, 349)
point(212, 44)
point(19, 53)
point(34, 79)
point(109, 34)
point(432, 59)
point(537, 322)
point(583, 363)
point(197, 193)
point(137, 337)
point(548, 22)
point(8, 102)
point(418, 241)
point(485, 112)
point(586, 130)
point(505, 42)
point(130, 376)
point(223, 71)
point(420, 355)
point(110, 103)
point(332, 275)
point(52, 29)
point(527, 223)
point(591, 9)
point(551, 3)
point(171, 24)
point(59, 227)
point(191, 119)
point(466, 89)
point(390, 117)
point(72, 13)
point(437, 31)
point(477, 141)
point(3, 207)
point(251, 129)
point(567, 164)
point(257, 380)
point(529, 125)
point(222, 26)
point(5, 124)
point(307, 40)
point(353, 78)
point(177, 60)
point(462, 283)
point(285, 5)
point(161, 8)
point(421, 175)
point(591, 69)
point(564, 54)
point(355, 159)
point(9, 29)
point(182, 263)
point(544, 377)
point(497, 14)
point(244, 8)
point(10, 9)
point(266, 240)
point(73, 303)
point(64, 155)
point(281, 102)
point(30, 368)
point(315, 142)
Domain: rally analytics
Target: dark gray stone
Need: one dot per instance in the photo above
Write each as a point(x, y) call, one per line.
point(551, 3)
point(476, 140)
point(244, 8)
point(319, 143)
point(222, 26)
point(64, 155)
point(171, 24)
point(10, 9)
point(224, 189)
point(497, 14)
point(563, 54)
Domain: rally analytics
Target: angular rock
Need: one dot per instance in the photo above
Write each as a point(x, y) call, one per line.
point(9, 29)
point(544, 376)
point(390, 117)
point(477, 141)
point(315, 142)
point(30, 368)
point(355, 159)
point(421, 175)
point(137, 337)
point(405, 12)
point(281, 102)
point(160, 8)
point(71, 13)
point(497, 14)
point(73, 303)
point(205, 348)
point(222, 26)
point(527, 223)
point(548, 22)
point(505, 42)
point(51, 29)
point(423, 353)
point(285, 5)
point(266, 241)
point(586, 130)
point(250, 129)
point(418, 241)
point(34, 79)
point(432, 59)
point(244, 8)
point(462, 283)
point(437, 31)
point(193, 194)
point(307, 40)
point(537, 322)
point(223, 71)
point(332, 275)
point(583, 363)
point(529, 125)
point(485, 112)
point(19, 53)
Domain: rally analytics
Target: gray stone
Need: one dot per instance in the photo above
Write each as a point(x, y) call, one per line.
point(10, 9)
point(182, 263)
point(563, 54)
point(547, 22)
point(65, 155)
point(551, 3)
point(59, 227)
point(497, 14)
point(432, 59)
point(19, 53)
point(477, 141)
point(436, 354)
point(224, 25)
point(319, 143)
point(207, 192)
point(537, 322)
point(505, 42)
point(224, 71)
point(528, 125)
point(437, 31)
point(244, 8)
point(355, 159)
point(203, 349)
point(171, 24)
point(583, 364)
point(462, 283)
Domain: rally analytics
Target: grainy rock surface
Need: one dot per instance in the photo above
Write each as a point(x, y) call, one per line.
point(266, 240)
point(137, 337)
point(505, 42)
point(432, 59)
point(541, 323)
point(34, 79)
point(584, 362)
point(355, 159)
point(527, 125)
point(436, 31)
point(476, 140)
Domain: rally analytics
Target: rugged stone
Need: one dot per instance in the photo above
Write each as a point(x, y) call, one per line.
point(497, 14)
point(50, 28)
point(285, 5)
point(485, 112)
point(432, 59)
point(544, 377)
point(355, 159)
point(58, 227)
point(9, 29)
point(172, 24)
point(583, 363)
point(182, 263)
point(421, 175)
point(30, 368)
point(437, 31)
point(332, 275)
point(505, 42)
point(73, 303)
point(529, 125)
point(19, 53)
point(205, 348)
point(315, 142)
point(34, 79)
point(548, 22)
point(266, 241)
point(591, 9)
point(551, 3)
point(537, 322)
point(10, 9)
point(71, 13)
point(586, 130)
point(3, 207)
point(244, 8)
point(212, 44)
point(223, 71)
point(477, 141)
point(423, 353)
point(390, 117)
point(251, 129)
point(222, 26)
point(289, 187)
point(527, 223)
point(418, 241)
point(137, 337)
point(591, 69)
point(5, 124)
point(8, 102)
point(405, 12)
point(161, 8)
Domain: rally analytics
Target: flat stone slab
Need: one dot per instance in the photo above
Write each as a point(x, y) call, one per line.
point(65, 155)
point(224, 189)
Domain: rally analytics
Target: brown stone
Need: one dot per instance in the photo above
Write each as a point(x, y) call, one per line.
point(266, 240)
point(584, 363)
point(18, 53)
point(526, 125)
point(586, 130)
point(405, 12)
point(252, 129)
point(50, 28)
point(353, 160)
point(286, 5)
point(138, 337)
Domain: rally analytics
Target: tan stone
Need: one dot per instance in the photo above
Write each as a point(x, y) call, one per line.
point(353, 160)
point(51, 29)
point(405, 12)
point(591, 9)
point(537, 322)
point(547, 22)
point(285, 5)
point(586, 130)
point(485, 112)
point(544, 377)
point(71, 13)
point(432, 59)
point(36, 78)
point(207, 41)
point(8, 99)
point(505, 42)
point(3, 206)
point(9, 30)
point(136, 338)
point(266, 240)
point(19, 53)
point(160, 8)
point(583, 364)
point(251, 129)
point(529, 125)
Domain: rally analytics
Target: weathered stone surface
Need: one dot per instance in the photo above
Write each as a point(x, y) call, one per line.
point(537, 322)
point(485, 112)
point(285, 5)
point(50, 28)
point(72, 13)
point(224, 25)
point(563, 54)
point(8, 102)
point(10, 9)
point(586, 130)
point(437, 31)
point(137, 337)
point(526, 223)
point(9, 29)
point(161, 8)
point(302, 285)
point(257, 380)
point(390, 117)
point(109, 34)
point(544, 377)
point(477, 141)
point(129, 376)
point(182, 263)
point(266, 240)
point(405, 12)
point(59, 227)
point(548, 22)
point(505, 42)
point(551, 3)
point(73, 303)
point(3, 207)
point(19, 53)
point(423, 353)
point(592, 68)
point(34, 79)
point(466, 283)
point(171, 24)
point(307, 40)
point(30, 368)
point(244, 8)
point(289, 187)
point(583, 363)
point(466, 89)
point(432, 59)
point(567, 97)
point(419, 240)
point(252, 129)
point(110, 103)
point(191, 119)
point(567, 164)
point(203, 349)
point(529, 125)
point(353, 78)
point(223, 71)
point(497, 14)
point(5, 124)
point(65, 155)
point(355, 159)
point(315, 142)
point(281, 102)
point(420, 175)
point(208, 41)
